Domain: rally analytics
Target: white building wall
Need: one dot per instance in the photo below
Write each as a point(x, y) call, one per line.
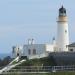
point(62, 36)
point(49, 48)
point(41, 49)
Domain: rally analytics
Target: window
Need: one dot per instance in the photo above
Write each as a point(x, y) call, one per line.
point(65, 31)
point(34, 51)
point(29, 51)
point(71, 50)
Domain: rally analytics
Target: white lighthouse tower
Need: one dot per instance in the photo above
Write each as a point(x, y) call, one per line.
point(62, 31)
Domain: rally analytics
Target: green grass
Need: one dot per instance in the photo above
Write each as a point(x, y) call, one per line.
point(38, 62)
point(56, 73)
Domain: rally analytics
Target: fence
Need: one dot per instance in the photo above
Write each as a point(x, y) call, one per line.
point(39, 69)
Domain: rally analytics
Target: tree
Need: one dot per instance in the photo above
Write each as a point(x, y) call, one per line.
point(6, 60)
point(0, 62)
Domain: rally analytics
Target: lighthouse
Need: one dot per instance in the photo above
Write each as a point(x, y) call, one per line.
point(62, 31)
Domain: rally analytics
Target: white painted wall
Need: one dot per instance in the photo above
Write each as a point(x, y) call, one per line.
point(62, 35)
point(40, 49)
point(49, 48)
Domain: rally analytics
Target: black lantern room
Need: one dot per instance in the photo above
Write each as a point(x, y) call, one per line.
point(62, 11)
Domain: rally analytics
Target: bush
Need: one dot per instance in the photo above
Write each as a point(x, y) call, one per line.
point(5, 61)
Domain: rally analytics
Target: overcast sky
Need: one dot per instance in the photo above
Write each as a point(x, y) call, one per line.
point(23, 19)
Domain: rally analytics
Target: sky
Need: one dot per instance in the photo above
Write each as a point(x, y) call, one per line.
point(24, 19)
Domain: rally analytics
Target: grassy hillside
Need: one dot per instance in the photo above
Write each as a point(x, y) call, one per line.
point(47, 61)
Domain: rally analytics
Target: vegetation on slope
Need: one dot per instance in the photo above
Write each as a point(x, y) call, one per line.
point(5, 61)
point(47, 61)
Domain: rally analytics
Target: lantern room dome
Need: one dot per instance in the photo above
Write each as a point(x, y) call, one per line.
point(62, 11)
